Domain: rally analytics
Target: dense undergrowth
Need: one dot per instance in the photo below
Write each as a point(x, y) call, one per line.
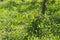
point(23, 20)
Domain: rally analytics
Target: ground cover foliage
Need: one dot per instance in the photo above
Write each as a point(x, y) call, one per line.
point(29, 19)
